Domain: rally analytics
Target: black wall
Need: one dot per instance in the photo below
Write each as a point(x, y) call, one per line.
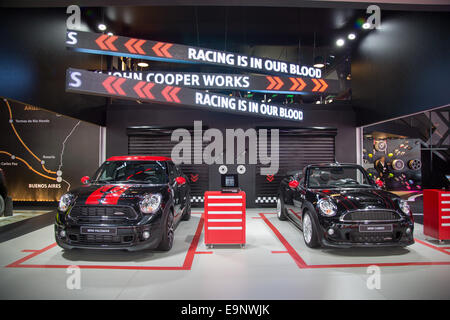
point(402, 68)
point(126, 114)
point(34, 59)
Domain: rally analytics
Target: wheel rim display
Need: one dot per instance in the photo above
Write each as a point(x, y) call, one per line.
point(279, 208)
point(170, 229)
point(307, 228)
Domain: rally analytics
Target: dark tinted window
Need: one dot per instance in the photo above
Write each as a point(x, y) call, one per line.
point(152, 172)
point(344, 177)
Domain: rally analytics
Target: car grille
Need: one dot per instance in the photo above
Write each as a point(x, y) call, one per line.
point(110, 213)
point(371, 215)
point(101, 239)
point(374, 237)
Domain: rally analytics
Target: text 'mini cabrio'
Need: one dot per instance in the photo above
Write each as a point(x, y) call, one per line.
point(339, 205)
point(131, 202)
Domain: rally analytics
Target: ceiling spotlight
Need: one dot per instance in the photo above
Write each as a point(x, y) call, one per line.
point(366, 25)
point(142, 64)
point(340, 42)
point(318, 62)
point(101, 27)
point(110, 34)
point(351, 36)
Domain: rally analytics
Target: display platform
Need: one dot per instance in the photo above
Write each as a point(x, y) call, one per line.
point(21, 215)
point(275, 264)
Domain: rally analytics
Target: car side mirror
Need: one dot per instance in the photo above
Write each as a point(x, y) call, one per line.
point(85, 180)
point(180, 180)
point(293, 184)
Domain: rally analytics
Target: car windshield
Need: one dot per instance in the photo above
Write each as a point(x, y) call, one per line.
point(148, 172)
point(337, 177)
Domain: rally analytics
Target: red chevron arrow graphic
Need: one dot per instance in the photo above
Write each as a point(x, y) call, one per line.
point(165, 93)
point(298, 84)
point(280, 83)
point(147, 89)
point(173, 94)
point(129, 45)
point(161, 49)
point(156, 48)
point(295, 84)
point(165, 48)
point(302, 84)
point(275, 83)
point(272, 82)
point(317, 83)
point(325, 85)
point(170, 94)
point(109, 43)
point(107, 84)
point(194, 177)
point(113, 86)
point(134, 46)
point(138, 46)
point(116, 85)
point(99, 41)
point(137, 88)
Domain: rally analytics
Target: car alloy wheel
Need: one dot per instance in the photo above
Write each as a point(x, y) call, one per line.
point(279, 208)
point(307, 228)
point(170, 229)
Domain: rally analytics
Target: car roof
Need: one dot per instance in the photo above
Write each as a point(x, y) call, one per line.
point(335, 164)
point(138, 158)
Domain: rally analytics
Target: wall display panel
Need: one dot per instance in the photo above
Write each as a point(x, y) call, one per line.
point(403, 159)
point(44, 154)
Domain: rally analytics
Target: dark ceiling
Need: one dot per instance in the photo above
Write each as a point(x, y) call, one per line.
point(36, 38)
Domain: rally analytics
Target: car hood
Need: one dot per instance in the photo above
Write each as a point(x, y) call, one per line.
point(113, 194)
point(361, 198)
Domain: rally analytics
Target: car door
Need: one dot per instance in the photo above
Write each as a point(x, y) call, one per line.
point(183, 189)
point(295, 210)
point(176, 189)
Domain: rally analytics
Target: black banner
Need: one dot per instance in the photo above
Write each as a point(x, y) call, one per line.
point(99, 43)
point(89, 82)
point(256, 83)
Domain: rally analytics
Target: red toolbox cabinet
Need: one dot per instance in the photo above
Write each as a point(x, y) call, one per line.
point(224, 218)
point(436, 213)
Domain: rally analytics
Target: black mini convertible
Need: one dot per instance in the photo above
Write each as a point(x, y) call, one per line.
point(339, 205)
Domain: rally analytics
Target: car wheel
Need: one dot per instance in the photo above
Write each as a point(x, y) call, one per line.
point(309, 231)
point(2, 206)
point(280, 210)
point(187, 212)
point(168, 233)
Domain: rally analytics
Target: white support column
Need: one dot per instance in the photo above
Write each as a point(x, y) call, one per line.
point(359, 145)
point(102, 145)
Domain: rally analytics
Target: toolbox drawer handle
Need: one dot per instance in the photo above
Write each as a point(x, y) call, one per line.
point(229, 228)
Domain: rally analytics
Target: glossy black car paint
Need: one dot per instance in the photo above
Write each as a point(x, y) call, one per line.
point(296, 201)
point(175, 199)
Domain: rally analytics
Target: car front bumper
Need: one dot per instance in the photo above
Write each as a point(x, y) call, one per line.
point(347, 235)
point(126, 238)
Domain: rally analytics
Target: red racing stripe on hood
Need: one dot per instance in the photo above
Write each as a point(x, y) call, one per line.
point(108, 194)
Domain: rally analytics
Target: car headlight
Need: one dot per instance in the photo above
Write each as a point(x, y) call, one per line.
point(404, 206)
point(65, 202)
point(327, 207)
point(150, 203)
